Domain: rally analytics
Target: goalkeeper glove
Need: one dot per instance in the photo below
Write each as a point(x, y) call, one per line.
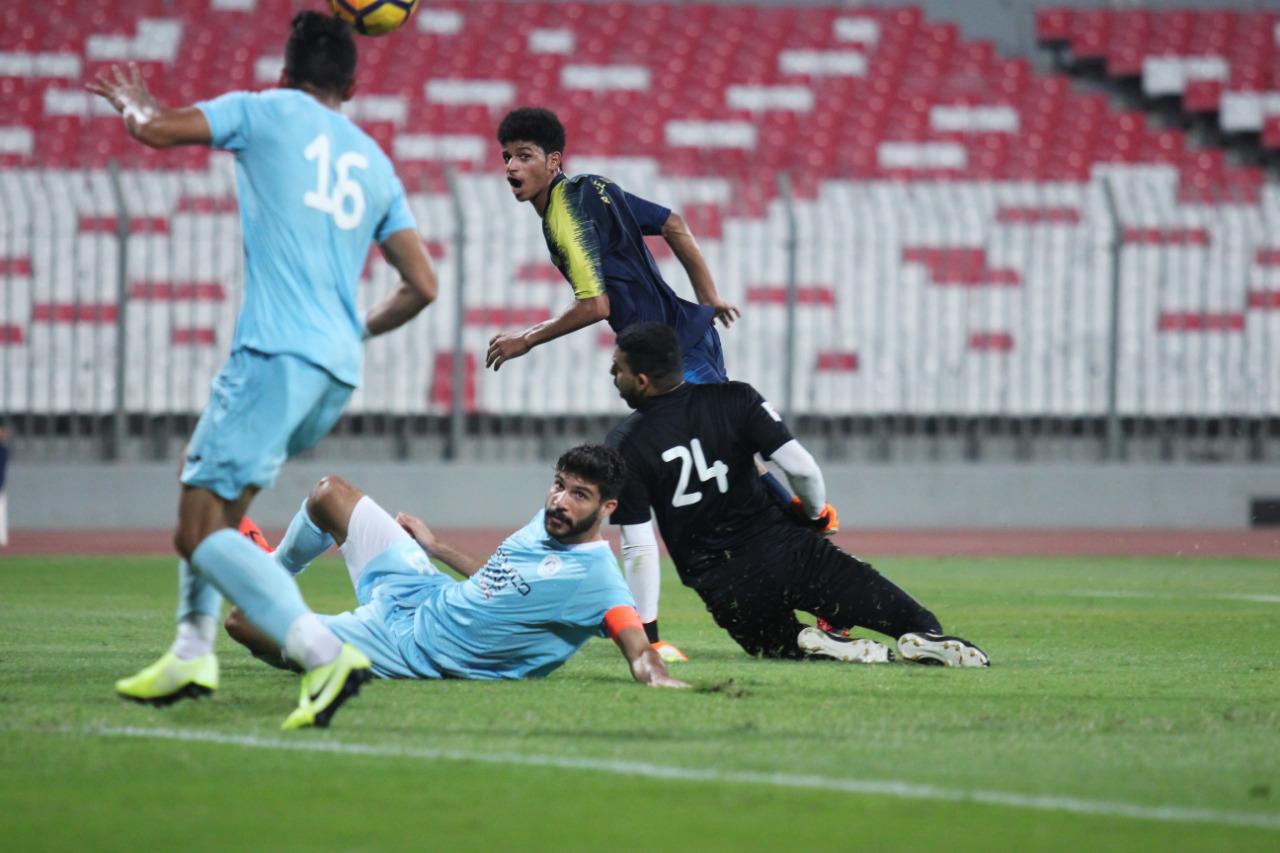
point(827, 522)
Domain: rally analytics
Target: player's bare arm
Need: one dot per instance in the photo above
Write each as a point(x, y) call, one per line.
point(460, 561)
point(418, 283)
point(683, 245)
point(508, 345)
point(146, 120)
point(647, 666)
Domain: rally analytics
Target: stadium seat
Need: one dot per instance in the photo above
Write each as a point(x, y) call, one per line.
point(962, 206)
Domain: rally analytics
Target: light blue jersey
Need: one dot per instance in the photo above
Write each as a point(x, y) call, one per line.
point(315, 192)
point(532, 605)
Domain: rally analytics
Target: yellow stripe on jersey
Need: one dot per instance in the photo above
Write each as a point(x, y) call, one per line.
point(576, 241)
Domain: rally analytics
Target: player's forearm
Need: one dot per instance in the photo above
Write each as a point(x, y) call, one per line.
point(583, 313)
point(685, 248)
point(641, 567)
point(166, 127)
point(648, 668)
point(460, 561)
point(804, 475)
point(395, 310)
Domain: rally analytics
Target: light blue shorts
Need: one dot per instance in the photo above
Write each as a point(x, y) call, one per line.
point(390, 591)
point(262, 410)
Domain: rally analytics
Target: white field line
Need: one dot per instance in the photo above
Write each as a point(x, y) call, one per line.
point(1259, 598)
point(870, 787)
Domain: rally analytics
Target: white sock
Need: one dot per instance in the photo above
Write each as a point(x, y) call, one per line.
point(195, 636)
point(310, 643)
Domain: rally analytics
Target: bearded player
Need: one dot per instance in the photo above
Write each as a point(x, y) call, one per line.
point(549, 587)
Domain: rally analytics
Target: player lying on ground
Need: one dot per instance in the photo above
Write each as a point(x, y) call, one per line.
point(595, 233)
point(549, 587)
point(689, 456)
point(315, 192)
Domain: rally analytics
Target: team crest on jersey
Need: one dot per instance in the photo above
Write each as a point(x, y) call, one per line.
point(550, 566)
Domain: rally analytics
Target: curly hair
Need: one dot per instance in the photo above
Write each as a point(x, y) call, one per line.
point(533, 124)
point(603, 466)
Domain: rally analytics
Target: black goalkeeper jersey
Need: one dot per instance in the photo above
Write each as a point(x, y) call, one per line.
point(690, 457)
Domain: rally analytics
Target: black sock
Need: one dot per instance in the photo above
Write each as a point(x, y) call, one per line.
point(651, 630)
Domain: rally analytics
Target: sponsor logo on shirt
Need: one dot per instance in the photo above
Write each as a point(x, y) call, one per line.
point(498, 574)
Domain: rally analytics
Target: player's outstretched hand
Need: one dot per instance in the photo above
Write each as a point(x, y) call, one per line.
point(418, 529)
point(125, 91)
point(504, 347)
point(726, 312)
point(827, 522)
point(649, 670)
point(667, 681)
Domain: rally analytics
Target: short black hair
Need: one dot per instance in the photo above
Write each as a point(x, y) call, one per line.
point(533, 124)
point(597, 464)
point(652, 349)
point(321, 52)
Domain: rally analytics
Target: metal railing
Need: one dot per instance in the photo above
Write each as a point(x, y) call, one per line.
point(889, 320)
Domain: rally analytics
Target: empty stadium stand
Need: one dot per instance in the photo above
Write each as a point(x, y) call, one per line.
point(957, 234)
point(1221, 62)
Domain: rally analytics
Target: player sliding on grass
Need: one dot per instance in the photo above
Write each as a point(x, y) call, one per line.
point(315, 191)
point(689, 453)
point(549, 587)
point(595, 232)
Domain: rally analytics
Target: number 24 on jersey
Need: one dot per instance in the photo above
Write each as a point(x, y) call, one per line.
point(692, 457)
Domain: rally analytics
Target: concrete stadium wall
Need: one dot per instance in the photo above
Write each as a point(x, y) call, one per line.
point(60, 496)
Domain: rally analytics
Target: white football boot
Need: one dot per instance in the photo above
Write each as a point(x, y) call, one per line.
point(819, 643)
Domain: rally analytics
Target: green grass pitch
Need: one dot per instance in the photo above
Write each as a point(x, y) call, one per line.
point(1132, 704)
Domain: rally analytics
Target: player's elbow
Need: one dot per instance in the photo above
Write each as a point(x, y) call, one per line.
point(596, 308)
point(675, 225)
point(426, 287)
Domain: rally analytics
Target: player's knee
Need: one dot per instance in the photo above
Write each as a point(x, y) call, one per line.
point(330, 492)
point(184, 542)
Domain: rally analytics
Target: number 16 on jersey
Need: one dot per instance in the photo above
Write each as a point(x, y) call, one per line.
point(345, 203)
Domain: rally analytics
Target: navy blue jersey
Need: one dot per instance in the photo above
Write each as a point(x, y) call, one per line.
point(595, 232)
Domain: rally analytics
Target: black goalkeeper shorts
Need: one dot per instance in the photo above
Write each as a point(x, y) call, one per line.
point(754, 593)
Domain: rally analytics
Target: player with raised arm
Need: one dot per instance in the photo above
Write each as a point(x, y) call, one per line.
point(595, 233)
point(550, 586)
point(690, 451)
point(315, 191)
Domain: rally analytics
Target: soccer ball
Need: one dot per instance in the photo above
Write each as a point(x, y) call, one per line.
point(373, 17)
